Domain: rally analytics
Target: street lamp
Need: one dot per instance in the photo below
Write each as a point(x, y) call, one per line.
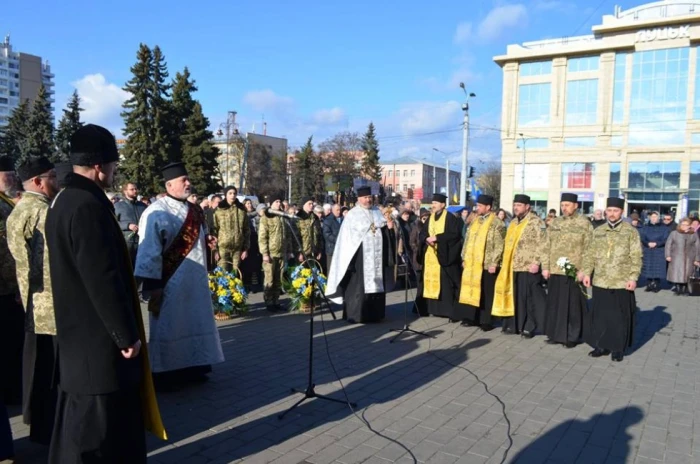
point(465, 146)
point(522, 174)
point(447, 172)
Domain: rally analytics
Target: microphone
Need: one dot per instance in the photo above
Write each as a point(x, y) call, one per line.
point(274, 212)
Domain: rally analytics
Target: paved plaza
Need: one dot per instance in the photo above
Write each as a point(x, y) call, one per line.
point(438, 400)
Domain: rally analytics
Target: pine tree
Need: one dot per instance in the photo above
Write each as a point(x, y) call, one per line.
point(371, 169)
point(302, 182)
point(14, 140)
point(40, 126)
point(140, 163)
point(69, 123)
point(164, 126)
point(182, 105)
point(198, 152)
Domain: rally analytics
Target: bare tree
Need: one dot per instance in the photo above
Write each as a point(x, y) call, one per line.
point(489, 180)
point(340, 156)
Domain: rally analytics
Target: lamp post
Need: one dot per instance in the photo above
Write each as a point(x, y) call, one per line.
point(465, 146)
point(447, 171)
point(522, 174)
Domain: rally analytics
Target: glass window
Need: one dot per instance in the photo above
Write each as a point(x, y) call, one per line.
point(581, 101)
point(413, 173)
point(398, 173)
point(405, 172)
point(661, 175)
point(388, 173)
point(405, 187)
point(537, 68)
point(577, 142)
point(658, 97)
point(413, 186)
point(577, 175)
point(584, 63)
point(619, 87)
point(614, 180)
point(694, 188)
point(536, 177)
point(531, 144)
point(695, 138)
point(616, 141)
point(533, 104)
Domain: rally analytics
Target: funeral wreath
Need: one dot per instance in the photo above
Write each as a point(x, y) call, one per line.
point(228, 295)
point(302, 287)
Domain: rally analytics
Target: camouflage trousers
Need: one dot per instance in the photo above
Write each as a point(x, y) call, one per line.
point(229, 259)
point(273, 280)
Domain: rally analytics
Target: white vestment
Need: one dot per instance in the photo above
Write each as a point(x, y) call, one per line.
point(357, 229)
point(184, 334)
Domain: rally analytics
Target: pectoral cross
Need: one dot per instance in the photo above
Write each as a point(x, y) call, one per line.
point(373, 228)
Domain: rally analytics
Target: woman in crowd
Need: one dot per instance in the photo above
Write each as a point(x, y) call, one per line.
point(682, 254)
point(654, 236)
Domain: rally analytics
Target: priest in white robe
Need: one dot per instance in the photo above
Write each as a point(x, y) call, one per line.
point(362, 260)
point(172, 264)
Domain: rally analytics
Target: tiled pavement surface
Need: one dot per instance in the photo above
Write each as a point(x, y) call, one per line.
point(560, 405)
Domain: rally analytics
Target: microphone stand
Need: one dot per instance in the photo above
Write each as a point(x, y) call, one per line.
point(310, 392)
point(406, 326)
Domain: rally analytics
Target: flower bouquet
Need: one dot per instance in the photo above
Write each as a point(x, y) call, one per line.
point(570, 271)
point(228, 295)
point(299, 287)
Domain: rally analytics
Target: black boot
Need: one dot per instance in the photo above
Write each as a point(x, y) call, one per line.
point(650, 286)
point(617, 356)
point(597, 353)
point(657, 285)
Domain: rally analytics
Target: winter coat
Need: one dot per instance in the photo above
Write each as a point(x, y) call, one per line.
point(232, 227)
point(654, 264)
point(331, 228)
point(683, 249)
point(129, 212)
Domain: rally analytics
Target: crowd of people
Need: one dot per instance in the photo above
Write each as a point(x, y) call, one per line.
point(76, 265)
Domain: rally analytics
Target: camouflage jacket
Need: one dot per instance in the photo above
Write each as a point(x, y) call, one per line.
point(273, 237)
point(530, 247)
point(614, 257)
point(495, 241)
point(25, 238)
point(8, 276)
point(231, 227)
point(567, 237)
point(310, 232)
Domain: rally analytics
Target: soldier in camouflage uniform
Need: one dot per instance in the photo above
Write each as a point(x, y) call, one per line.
point(274, 240)
point(568, 236)
point(26, 240)
point(614, 259)
point(309, 230)
point(482, 254)
point(521, 262)
point(232, 230)
point(11, 311)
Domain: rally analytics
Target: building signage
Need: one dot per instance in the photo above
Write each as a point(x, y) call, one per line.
point(663, 33)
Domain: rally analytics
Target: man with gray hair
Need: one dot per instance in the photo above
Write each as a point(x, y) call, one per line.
point(326, 210)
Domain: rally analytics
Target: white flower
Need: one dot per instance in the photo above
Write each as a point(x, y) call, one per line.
point(561, 262)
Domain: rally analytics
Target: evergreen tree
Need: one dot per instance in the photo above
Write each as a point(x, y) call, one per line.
point(198, 152)
point(371, 168)
point(302, 181)
point(140, 164)
point(40, 126)
point(182, 105)
point(69, 123)
point(14, 141)
point(164, 126)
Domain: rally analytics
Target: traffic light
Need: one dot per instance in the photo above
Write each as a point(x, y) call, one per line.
point(471, 172)
point(468, 196)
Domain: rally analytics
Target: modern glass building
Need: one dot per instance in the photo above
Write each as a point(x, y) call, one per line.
point(614, 113)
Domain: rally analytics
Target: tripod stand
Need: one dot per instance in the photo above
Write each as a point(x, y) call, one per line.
point(406, 326)
point(310, 392)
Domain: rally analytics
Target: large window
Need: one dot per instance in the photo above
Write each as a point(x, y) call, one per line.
point(657, 176)
point(584, 63)
point(614, 180)
point(581, 102)
point(536, 68)
point(533, 104)
point(577, 175)
point(531, 144)
point(577, 142)
point(696, 106)
point(694, 188)
point(659, 97)
point(536, 177)
point(619, 88)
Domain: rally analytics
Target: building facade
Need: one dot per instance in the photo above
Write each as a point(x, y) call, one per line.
point(244, 153)
point(614, 113)
point(418, 179)
point(21, 75)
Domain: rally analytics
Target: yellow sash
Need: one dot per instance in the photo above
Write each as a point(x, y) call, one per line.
point(470, 292)
point(431, 266)
point(503, 301)
point(7, 200)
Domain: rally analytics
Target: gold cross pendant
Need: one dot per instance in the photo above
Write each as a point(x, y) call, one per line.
point(373, 228)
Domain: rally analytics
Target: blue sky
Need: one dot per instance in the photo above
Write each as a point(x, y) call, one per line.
point(306, 67)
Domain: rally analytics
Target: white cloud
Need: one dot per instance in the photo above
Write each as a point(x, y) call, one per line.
point(267, 100)
point(421, 117)
point(329, 116)
point(463, 32)
point(500, 19)
point(101, 101)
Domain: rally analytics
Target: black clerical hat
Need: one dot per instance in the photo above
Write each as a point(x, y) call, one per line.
point(615, 202)
point(364, 191)
point(173, 171)
point(277, 196)
point(6, 164)
point(33, 167)
point(439, 197)
point(307, 199)
point(485, 200)
point(571, 197)
point(91, 145)
point(520, 198)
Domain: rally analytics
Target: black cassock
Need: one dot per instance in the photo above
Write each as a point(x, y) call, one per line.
point(358, 306)
point(449, 249)
point(11, 342)
point(611, 319)
point(530, 304)
point(565, 306)
point(38, 382)
point(482, 315)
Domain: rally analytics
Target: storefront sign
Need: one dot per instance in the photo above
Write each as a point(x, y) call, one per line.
point(663, 33)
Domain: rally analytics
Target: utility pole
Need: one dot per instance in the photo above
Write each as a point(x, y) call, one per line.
point(447, 181)
point(465, 146)
point(522, 174)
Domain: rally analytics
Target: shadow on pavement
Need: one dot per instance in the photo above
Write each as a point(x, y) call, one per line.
point(647, 324)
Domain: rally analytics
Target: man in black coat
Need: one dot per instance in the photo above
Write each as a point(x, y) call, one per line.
point(99, 417)
point(331, 229)
point(128, 212)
